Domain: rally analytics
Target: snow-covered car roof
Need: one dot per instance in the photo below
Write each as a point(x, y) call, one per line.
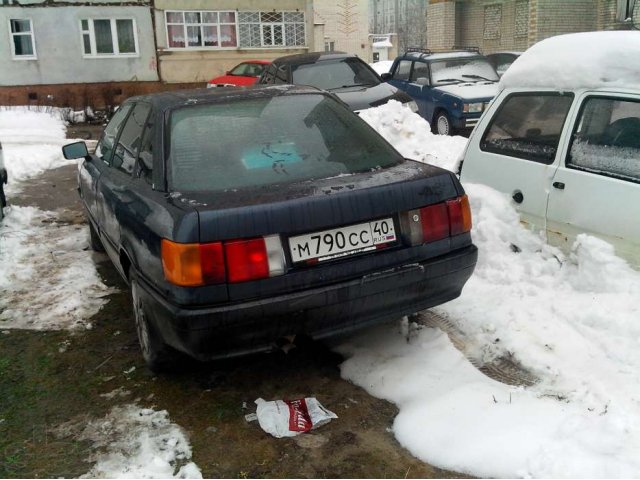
point(447, 55)
point(579, 60)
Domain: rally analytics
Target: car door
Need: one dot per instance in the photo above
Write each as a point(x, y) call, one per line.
point(91, 171)
point(515, 149)
point(114, 190)
point(419, 89)
point(596, 188)
point(400, 74)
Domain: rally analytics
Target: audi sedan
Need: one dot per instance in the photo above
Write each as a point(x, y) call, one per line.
point(240, 216)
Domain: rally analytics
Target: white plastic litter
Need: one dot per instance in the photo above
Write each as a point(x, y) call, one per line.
point(288, 418)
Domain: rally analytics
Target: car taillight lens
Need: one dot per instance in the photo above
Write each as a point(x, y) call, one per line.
point(436, 222)
point(193, 264)
point(197, 264)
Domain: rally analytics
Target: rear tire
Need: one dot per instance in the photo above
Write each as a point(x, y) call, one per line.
point(94, 239)
point(157, 354)
point(442, 124)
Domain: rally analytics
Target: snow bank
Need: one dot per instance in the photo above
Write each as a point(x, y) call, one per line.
point(48, 278)
point(134, 442)
point(31, 142)
point(579, 60)
point(571, 320)
point(382, 67)
point(412, 136)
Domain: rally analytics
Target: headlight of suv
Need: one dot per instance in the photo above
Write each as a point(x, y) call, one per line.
point(473, 107)
point(412, 105)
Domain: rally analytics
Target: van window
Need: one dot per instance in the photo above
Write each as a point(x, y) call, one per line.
point(528, 126)
point(607, 138)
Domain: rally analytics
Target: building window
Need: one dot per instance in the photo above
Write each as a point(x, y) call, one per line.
point(522, 19)
point(205, 29)
point(492, 21)
point(22, 44)
point(271, 29)
point(107, 37)
point(329, 46)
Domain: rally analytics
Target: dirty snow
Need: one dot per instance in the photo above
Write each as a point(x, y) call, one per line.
point(48, 278)
point(134, 442)
point(570, 320)
point(579, 60)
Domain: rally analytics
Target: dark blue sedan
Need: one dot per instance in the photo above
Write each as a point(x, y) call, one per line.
point(240, 216)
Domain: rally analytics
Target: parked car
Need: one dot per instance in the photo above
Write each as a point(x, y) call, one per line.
point(3, 182)
point(563, 140)
point(451, 89)
point(502, 60)
point(343, 74)
point(238, 217)
point(242, 75)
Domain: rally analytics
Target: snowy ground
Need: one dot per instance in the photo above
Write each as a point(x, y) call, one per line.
point(382, 67)
point(571, 320)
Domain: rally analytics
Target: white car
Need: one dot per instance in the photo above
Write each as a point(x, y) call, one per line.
point(563, 140)
point(3, 181)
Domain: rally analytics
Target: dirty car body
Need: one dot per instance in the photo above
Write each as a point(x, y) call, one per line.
point(242, 216)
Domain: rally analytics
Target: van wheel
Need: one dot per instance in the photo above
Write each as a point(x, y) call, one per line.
point(442, 124)
point(158, 355)
point(94, 239)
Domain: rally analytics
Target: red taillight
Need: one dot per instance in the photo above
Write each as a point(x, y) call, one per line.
point(435, 222)
point(212, 262)
point(246, 260)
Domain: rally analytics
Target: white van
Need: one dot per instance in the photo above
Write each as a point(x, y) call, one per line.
point(562, 138)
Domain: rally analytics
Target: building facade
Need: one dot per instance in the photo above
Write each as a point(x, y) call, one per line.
point(345, 26)
point(406, 18)
point(495, 25)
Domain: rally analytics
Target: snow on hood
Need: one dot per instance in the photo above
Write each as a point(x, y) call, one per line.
point(471, 90)
point(579, 60)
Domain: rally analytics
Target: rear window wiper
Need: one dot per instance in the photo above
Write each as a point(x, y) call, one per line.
point(478, 77)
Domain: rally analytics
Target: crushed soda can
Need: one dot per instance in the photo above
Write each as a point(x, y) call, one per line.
point(288, 418)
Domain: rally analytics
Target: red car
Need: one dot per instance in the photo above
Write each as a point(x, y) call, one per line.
point(246, 73)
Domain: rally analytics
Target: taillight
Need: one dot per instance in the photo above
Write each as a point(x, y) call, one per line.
point(197, 264)
point(436, 222)
point(192, 264)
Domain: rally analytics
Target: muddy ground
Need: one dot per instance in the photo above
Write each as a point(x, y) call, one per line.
point(49, 378)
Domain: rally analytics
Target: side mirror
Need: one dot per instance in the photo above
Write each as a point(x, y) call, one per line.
point(424, 81)
point(385, 77)
point(75, 150)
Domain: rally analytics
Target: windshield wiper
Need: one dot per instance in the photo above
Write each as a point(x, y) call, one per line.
point(352, 85)
point(479, 77)
point(450, 80)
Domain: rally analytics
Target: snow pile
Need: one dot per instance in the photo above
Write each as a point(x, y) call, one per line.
point(579, 60)
point(134, 442)
point(412, 136)
point(31, 142)
point(48, 279)
point(572, 321)
point(382, 67)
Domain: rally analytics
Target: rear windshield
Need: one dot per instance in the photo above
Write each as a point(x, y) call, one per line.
point(334, 74)
point(270, 141)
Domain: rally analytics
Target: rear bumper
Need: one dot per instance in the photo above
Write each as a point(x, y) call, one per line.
point(241, 328)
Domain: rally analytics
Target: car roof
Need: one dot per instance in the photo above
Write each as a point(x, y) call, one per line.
point(442, 55)
point(177, 98)
point(314, 57)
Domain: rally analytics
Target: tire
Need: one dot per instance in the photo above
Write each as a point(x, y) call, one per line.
point(94, 239)
point(3, 202)
point(158, 356)
point(442, 124)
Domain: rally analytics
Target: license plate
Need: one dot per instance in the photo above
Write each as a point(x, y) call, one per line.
point(340, 242)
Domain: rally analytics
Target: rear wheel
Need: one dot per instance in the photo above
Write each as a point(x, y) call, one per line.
point(94, 239)
point(442, 124)
point(158, 355)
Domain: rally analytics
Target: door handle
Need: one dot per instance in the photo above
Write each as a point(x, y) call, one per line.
point(558, 185)
point(517, 196)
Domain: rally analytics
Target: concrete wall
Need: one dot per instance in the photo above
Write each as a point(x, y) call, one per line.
point(58, 43)
point(192, 65)
point(346, 24)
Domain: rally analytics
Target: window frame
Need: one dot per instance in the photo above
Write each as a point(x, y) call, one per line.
point(185, 25)
point(114, 38)
point(574, 131)
point(134, 155)
point(283, 25)
point(31, 34)
point(523, 156)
